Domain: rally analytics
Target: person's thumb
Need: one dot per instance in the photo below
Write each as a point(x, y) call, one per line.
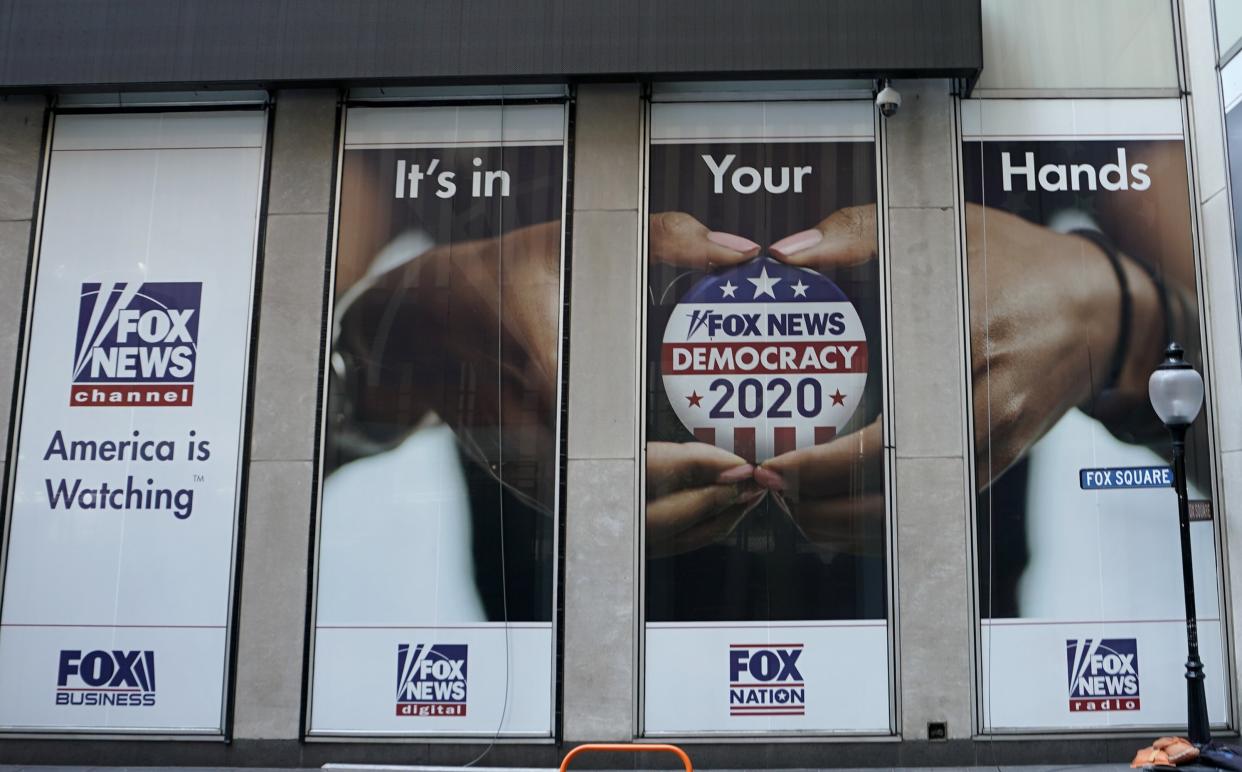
point(679, 239)
point(846, 237)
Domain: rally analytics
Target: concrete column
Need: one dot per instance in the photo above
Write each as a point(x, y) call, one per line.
point(21, 142)
point(1219, 298)
point(268, 696)
point(933, 536)
point(601, 581)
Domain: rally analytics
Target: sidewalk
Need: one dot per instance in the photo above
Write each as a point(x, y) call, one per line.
point(384, 768)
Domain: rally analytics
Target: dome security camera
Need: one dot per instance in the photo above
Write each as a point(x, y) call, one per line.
point(888, 100)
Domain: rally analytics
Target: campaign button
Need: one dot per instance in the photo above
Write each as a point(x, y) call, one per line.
point(764, 358)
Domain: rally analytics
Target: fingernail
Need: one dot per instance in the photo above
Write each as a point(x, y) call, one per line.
point(736, 474)
point(796, 243)
point(769, 479)
point(731, 241)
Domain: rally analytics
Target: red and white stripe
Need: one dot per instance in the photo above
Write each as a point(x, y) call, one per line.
point(741, 439)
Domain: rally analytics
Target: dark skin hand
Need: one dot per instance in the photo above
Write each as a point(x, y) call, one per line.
point(1027, 346)
point(486, 312)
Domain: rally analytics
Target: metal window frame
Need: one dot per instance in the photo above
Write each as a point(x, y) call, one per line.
point(781, 93)
point(982, 732)
point(166, 102)
point(420, 97)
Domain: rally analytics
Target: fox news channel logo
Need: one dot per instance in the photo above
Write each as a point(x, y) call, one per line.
point(120, 678)
point(1103, 674)
point(431, 680)
point(764, 680)
point(137, 344)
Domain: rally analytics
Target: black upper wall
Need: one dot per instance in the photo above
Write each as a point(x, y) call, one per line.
point(131, 43)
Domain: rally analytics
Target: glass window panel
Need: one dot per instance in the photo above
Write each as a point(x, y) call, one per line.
point(764, 503)
point(1081, 626)
point(440, 465)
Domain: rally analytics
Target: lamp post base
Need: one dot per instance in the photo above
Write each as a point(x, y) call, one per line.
point(1197, 725)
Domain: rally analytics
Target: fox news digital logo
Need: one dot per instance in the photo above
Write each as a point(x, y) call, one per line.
point(764, 680)
point(431, 680)
point(121, 678)
point(1103, 674)
point(137, 344)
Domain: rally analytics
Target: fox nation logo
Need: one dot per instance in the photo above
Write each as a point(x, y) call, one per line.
point(121, 678)
point(1103, 674)
point(764, 680)
point(137, 344)
point(431, 680)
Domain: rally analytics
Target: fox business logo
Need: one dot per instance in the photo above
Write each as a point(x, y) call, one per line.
point(1103, 674)
point(121, 678)
point(137, 344)
point(764, 680)
point(431, 680)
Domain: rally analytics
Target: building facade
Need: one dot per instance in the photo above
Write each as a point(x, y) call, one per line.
point(405, 383)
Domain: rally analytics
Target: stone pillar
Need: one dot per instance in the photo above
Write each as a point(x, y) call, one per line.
point(280, 493)
point(1219, 296)
point(601, 581)
point(21, 144)
point(933, 535)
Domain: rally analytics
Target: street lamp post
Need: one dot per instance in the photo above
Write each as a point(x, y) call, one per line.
point(1176, 393)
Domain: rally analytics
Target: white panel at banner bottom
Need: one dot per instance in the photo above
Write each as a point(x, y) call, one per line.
point(433, 681)
point(1074, 675)
point(735, 677)
point(172, 678)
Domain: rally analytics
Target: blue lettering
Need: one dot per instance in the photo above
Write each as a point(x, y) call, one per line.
point(62, 492)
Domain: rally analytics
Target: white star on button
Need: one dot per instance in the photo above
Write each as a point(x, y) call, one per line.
point(727, 288)
point(799, 289)
point(764, 285)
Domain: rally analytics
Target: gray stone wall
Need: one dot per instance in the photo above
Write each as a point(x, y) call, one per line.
point(281, 490)
point(929, 463)
point(933, 535)
point(601, 534)
point(21, 145)
point(1219, 290)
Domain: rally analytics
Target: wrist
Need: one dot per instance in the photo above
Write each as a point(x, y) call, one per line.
point(1127, 324)
point(1148, 333)
point(1121, 403)
point(1102, 315)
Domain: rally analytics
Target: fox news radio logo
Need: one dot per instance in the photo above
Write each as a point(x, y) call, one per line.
point(431, 680)
point(121, 678)
point(1103, 674)
point(137, 344)
point(764, 680)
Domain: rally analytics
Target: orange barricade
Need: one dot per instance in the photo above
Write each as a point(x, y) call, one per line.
point(628, 748)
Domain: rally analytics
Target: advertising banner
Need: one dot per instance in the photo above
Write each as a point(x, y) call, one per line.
point(1080, 266)
point(765, 496)
point(437, 526)
point(122, 521)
